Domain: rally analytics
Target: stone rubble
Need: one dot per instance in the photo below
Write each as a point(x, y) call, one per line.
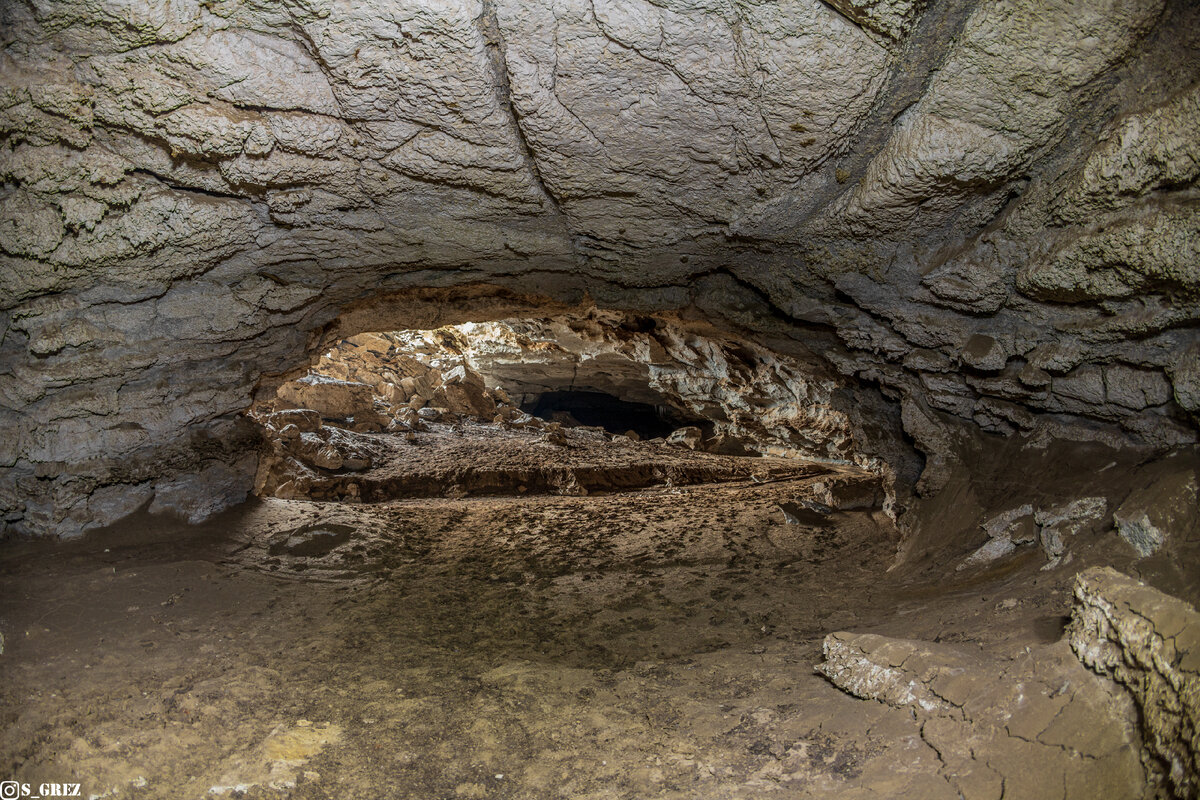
point(1059, 524)
point(1052, 528)
point(1163, 505)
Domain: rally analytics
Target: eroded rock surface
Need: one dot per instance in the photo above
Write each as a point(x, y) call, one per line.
point(1148, 642)
point(982, 209)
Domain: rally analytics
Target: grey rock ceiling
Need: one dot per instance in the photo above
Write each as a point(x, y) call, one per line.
point(987, 208)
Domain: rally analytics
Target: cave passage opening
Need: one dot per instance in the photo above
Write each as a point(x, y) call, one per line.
point(576, 407)
point(552, 405)
point(491, 372)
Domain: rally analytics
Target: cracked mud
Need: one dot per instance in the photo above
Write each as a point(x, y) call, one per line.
point(654, 642)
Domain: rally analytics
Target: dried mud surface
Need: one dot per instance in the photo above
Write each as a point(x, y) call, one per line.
point(649, 643)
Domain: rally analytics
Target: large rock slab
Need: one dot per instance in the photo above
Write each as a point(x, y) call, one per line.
point(1002, 728)
point(1148, 642)
point(1043, 718)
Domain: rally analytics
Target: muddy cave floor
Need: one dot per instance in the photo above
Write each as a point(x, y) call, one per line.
point(648, 642)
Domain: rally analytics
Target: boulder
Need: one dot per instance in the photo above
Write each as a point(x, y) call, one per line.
point(305, 419)
point(1012, 715)
point(1148, 642)
point(1060, 523)
point(842, 494)
point(1164, 503)
point(463, 392)
point(1005, 531)
point(331, 398)
point(689, 437)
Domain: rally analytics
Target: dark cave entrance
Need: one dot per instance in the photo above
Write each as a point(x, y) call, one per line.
point(512, 407)
point(607, 411)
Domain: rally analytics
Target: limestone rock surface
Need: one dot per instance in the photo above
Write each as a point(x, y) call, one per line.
point(984, 209)
point(1149, 643)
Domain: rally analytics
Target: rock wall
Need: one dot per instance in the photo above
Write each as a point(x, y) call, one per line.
point(980, 208)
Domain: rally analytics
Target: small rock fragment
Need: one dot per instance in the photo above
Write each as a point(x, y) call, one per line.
point(1141, 534)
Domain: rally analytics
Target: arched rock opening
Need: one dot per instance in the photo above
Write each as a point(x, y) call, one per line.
point(372, 418)
point(972, 223)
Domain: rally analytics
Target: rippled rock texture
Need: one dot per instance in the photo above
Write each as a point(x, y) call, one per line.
point(981, 209)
